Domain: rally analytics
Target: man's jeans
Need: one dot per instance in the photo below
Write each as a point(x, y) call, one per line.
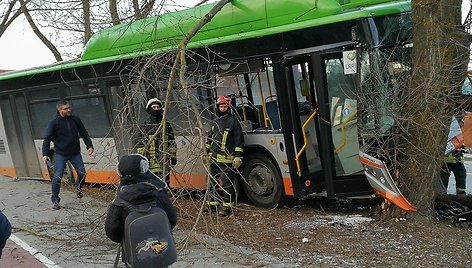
point(60, 164)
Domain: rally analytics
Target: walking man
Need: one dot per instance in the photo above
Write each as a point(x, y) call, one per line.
point(64, 130)
point(225, 143)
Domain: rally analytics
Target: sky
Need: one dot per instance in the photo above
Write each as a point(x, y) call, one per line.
point(20, 48)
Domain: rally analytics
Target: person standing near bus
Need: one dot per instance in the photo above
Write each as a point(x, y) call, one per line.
point(225, 145)
point(150, 142)
point(64, 130)
point(454, 163)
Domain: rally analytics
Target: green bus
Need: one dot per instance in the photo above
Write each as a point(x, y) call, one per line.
point(295, 70)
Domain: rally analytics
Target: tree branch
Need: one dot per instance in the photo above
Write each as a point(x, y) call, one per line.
point(38, 33)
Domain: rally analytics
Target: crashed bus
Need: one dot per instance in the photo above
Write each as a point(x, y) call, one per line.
point(294, 71)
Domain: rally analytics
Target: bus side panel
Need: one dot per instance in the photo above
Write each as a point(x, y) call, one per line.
point(100, 167)
point(6, 163)
point(189, 172)
point(275, 145)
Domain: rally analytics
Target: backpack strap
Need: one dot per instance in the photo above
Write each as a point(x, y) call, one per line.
point(143, 208)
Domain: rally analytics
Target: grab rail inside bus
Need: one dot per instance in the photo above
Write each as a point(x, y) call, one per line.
point(343, 131)
point(297, 160)
point(252, 107)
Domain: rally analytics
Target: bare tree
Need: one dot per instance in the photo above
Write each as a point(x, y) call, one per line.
point(86, 20)
point(115, 18)
point(427, 102)
point(10, 11)
point(38, 33)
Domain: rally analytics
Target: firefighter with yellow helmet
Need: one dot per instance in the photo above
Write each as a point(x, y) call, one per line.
point(152, 145)
point(225, 145)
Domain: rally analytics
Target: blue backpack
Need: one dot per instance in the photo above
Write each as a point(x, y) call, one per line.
point(148, 240)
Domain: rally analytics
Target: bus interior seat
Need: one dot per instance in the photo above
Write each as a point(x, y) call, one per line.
point(251, 118)
point(273, 113)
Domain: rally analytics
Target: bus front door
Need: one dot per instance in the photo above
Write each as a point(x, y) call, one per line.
point(338, 137)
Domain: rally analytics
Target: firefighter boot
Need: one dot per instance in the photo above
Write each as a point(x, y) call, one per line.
point(211, 206)
point(225, 211)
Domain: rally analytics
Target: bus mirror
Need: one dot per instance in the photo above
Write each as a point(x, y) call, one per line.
point(305, 87)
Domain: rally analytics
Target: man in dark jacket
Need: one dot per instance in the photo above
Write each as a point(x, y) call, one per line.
point(152, 145)
point(137, 186)
point(225, 144)
point(64, 131)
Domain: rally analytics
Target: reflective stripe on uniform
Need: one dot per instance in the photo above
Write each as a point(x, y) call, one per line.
point(223, 141)
point(224, 159)
point(238, 149)
point(212, 203)
point(226, 204)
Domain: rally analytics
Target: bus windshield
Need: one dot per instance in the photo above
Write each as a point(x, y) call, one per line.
point(385, 68)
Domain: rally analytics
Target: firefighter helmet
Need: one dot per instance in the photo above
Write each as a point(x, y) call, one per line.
point(223, 99)
point(151, 101)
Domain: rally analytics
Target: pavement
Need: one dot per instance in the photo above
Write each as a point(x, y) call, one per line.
point(74, 235)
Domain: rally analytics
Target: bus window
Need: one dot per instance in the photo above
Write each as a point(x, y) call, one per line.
point(47, 94)
point(93, 114)
point(80, 90)
point(41, 114)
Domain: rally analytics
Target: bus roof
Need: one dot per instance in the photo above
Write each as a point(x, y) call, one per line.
point(241, 19)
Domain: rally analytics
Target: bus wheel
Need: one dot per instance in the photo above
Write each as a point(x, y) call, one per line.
point(262, 181)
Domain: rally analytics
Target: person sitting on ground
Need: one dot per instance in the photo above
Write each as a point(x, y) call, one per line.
point(137, 186)
point(5, 231)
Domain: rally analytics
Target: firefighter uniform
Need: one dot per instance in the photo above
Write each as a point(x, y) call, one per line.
point(153, 146)
point(455, 162)
point(225, 146)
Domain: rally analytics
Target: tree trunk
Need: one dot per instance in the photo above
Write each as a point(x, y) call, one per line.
point(38, 33)
point(86, 18)
point(115, 19)
point(136, 7)
point(144, 12)
point(440, 56)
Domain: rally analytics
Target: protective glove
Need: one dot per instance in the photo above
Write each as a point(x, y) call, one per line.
point(237, 161)
point(173, 161)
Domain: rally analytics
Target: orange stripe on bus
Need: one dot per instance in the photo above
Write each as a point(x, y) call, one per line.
point(8, 171)
point(288, 187)
point(368, 162)
point(188, 181)
point(93, 176)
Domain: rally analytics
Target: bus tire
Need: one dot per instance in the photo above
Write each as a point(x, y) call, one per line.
point(262, 182)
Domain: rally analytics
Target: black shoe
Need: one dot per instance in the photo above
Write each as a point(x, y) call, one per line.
point(225, 211)
point(79, 193)
point(56, 206)
point(210, 208)
point(460, 192)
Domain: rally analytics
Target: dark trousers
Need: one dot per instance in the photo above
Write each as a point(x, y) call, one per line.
point(227, 175)
point(59, 165)
point(459, 171)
